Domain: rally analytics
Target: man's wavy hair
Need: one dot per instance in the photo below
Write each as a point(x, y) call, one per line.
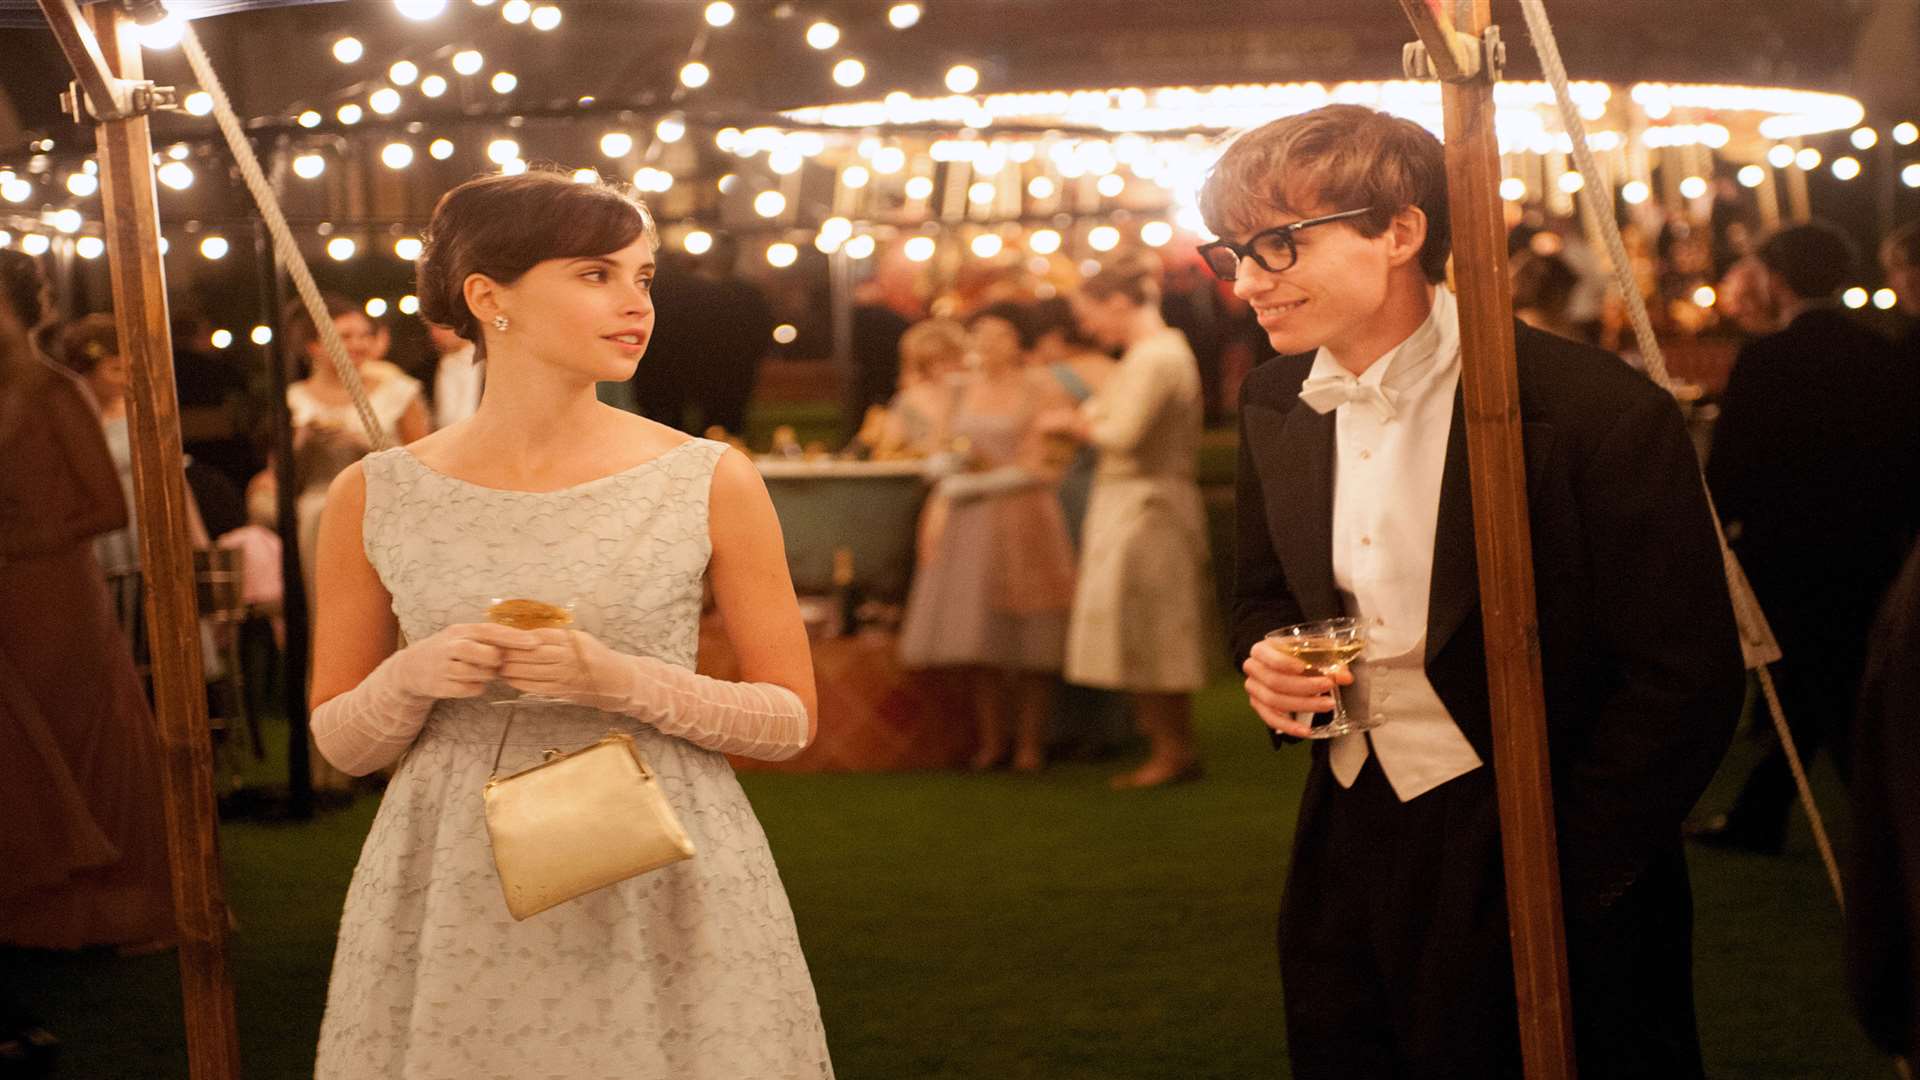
point(1337, 157)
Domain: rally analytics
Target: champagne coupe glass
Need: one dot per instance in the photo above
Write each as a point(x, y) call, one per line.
point(1327, 646)
point(574, 613)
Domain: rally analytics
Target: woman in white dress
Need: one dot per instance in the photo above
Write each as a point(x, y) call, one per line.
point(691, 972)
point(1143, 613)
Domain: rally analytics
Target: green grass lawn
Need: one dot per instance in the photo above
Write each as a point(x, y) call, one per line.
point(995, 927)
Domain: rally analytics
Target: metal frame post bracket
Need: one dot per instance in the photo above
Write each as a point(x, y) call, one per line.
point(1479, 59)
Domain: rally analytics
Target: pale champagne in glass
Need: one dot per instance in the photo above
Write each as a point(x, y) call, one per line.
point(1325, 647)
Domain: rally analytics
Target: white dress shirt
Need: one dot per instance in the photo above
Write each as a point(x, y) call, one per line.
point(1386, 504)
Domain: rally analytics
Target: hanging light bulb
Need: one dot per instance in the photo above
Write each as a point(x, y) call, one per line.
point(420, 10)
point(823, 35)
point(1905, 133)
point(261, 335)
point(16, 190)
point(177, 175)
point(83, 184)
point(670, 129)
point(699, 241)
point(501, 151)
point(1693, 187)
point(719, 13)
point(1156, 233)
point(348, 50)
point(409, 305)
point(901, 16)
point(694, 75)
point(987, 245)
point(1751, 175)
point(308, 166)
point(918, 248)
point(1103, 238)
point(1040, 187)
point(199, 103)
point(440, 149)
point(516, 11)
point(545, 17)
point(385, 101)
point(309, 119)
point(468, 61)
point(396, 155)
point(785, 333)
point(860, 247)
point(616, 144)
point(404, 73)
point(433, 86)
point(349, 113)
point(1704, 296)
point(1111, 185)
point(503, 82)
point(222, 338)
point(408, 248)
point(1910, 175)
point(1635, 192)
point(1864, 138)
point(889, 160)
point(513, 168)
point(981, 193)
point(1571, 182)
point(786, 160)
point(161, 35)
point(92, 247)
point(963, 78)
point(213, 247)
point(376, 307)
point(849, 72)
point(1846, 168)
point(1808, 159)
point(782, 254)
point(919, 187)
point(341, 248)
point(586, 176)
point(68, 221)
point(1513, 189)
point(855, 176)
point(769, 204)
point(1855, 297)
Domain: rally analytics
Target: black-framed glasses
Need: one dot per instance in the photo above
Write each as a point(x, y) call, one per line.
point(1274, 249)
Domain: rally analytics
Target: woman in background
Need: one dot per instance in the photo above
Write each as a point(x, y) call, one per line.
point(83, 851)
point(996, 575)
point(932, 365)
point(1142, 616)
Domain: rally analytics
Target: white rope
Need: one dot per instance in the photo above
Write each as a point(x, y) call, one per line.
point(283, 243)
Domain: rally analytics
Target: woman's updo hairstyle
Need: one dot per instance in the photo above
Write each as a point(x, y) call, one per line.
point(1131, 278)
point(502, 225)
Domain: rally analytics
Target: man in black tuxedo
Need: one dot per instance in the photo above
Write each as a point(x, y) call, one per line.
point(1812, 469)
point(1353, 500)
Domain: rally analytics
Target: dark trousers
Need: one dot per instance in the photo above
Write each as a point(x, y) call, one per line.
point(1817, 688)
point(1394, 952)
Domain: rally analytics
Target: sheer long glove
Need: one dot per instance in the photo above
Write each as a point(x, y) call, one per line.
point(370, 726)
point(757, 720)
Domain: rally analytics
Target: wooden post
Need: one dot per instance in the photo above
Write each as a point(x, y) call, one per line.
point(140, 307)
point(1503, 541)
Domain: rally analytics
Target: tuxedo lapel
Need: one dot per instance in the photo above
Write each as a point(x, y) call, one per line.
point(1455, 590)
point(1456, 577)
point(1294, 454)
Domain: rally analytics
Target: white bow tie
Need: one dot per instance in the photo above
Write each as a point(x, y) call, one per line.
point(1329, 392)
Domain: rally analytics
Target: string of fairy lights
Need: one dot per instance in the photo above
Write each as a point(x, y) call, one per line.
point(941, 179)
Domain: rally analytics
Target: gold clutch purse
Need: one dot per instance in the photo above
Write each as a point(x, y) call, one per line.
point(578, 822)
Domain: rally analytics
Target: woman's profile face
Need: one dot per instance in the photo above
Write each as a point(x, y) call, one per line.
point(996, 341)
point(1103, 321)
point(357, 334)
point(108, 379)
point(591, 315)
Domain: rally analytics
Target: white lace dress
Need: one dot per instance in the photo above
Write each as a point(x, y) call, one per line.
point(692, 972)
